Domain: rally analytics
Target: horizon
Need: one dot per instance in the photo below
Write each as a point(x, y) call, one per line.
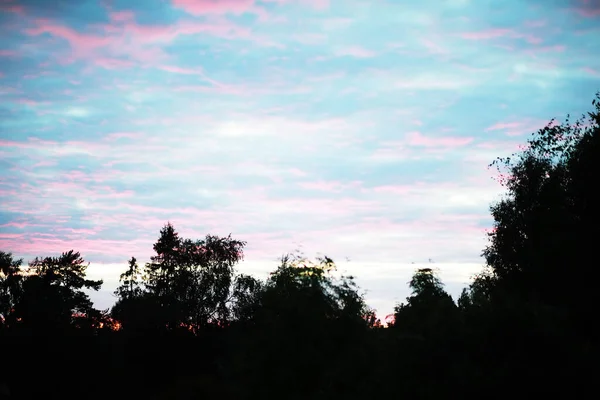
point(347, 128)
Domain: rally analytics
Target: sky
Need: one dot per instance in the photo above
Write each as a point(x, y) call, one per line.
point(359, 129)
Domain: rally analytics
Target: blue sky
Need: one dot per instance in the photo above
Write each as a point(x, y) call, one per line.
point(359, 129)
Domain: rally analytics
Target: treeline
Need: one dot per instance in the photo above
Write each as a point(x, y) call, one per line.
point(187, 325)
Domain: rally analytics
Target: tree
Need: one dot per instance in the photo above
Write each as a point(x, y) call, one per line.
point(542, 228)
point(10, 286)
point(306, 330)
point(130, 281)
point(429, 311)
point(300, 288)
point(245, 297)
point(188, 283)
point(136, 309)
point(478, 295)
point(163, 266)
point(531, 310)
point(52, 294)
point(208, 276)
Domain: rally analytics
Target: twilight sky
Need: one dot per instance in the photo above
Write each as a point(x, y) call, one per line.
point(354, 128)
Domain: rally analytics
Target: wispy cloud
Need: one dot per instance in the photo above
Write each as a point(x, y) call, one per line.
point(354, 51)
point(353, 129)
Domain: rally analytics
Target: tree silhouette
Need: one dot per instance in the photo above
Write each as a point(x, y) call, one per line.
point(429, 310)
point(187, 284)
point(245, 297)
point(542, 227)
point(130, 281)
point(307, 333)
point(52, 299)
point(10, 288)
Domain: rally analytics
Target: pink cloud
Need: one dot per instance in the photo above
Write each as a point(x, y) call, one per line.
point(315, 4)
point(319, 4)
point(42, 245)
point(18, 225)
point(124, 38)
point(81, 42)
point(417, 139)
point(591, 71)
point(517, 128)
point(8, 193)
point(113, 63)
point(31, 143)
point(44, 164)
point(122, 16)
point(179, 70)
point(77, 232)
point(297, 172)
point(434, 48)
point(5, 237)
point(310, 38)
point(391, 151)
point(329, 186)
point(123, 135)
point(29, 102)
point(500, 33)
point(559, 48)
point(393, 189)
point(504, 125)
point(336, 23)
point(202, 7)
point(487, 34)
point(355, 51)
point(12, 8)
point(220, 7)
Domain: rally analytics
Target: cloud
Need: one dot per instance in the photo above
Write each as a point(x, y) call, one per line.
point(240, 7)
point(203, 7)
point(500, 33)
point(518, 128)
point(592, 71)
point(425, 81)
point(354, 129)
point(80, 42)
point(354, 51)
point(12, 8)
point(124, 41)
point(417, 139)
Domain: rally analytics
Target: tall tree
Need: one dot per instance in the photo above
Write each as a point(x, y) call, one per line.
point(53, 295)
point(245, 297)
point(430, 310)
point(307, 334)
point(10, 286)
point(162, 267)
point(206, 281)
point(130, 281)
point(543, 227)
point(192, 280)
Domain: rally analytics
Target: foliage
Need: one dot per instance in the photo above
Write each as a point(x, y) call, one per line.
point(10, 286)
point(51, 296)
point(542, 229)
point(429, 310)
point(187, 284)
